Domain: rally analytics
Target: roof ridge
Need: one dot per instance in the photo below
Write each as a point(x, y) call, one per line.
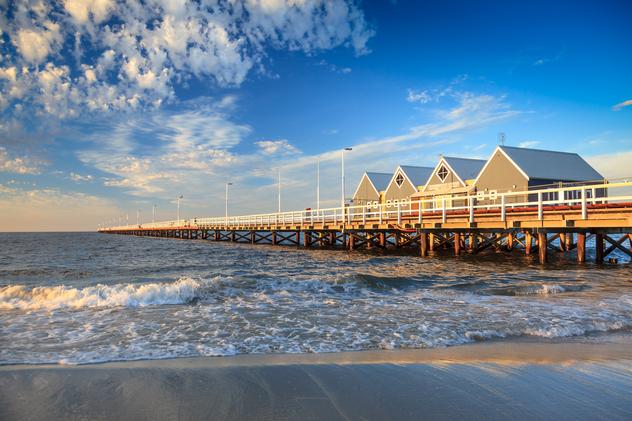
point(540, 150)
point(468, 159)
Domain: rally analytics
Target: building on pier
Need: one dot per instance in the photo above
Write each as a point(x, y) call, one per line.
point(371, 189)
point(406, 181)
point(451, 178)
point(511, 168)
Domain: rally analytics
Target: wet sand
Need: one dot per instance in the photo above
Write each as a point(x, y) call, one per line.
point(578, 379)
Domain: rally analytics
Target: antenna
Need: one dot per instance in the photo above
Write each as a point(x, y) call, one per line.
point(501, 138)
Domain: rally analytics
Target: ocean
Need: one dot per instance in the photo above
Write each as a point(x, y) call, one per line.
point(76, 298)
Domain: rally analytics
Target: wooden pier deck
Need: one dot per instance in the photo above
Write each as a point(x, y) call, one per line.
point(559, 225)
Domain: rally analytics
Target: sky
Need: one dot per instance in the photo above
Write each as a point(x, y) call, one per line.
point(109, 107)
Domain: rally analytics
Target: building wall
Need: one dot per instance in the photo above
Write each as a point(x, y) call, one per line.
point(435, 185)
point(396, 193)
point(365, 193)
point(501, 176)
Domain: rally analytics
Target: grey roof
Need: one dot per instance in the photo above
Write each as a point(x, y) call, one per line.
point(379, 179)
point(552, 165)
point(466, 168)
point(418, 175)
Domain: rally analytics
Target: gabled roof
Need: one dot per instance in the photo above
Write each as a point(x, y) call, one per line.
point(465, 168)
point(550, 165)
point(417, 175)
point(379, 180)
point(462, 168)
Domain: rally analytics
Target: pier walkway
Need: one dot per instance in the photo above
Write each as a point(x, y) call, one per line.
point(535, 221)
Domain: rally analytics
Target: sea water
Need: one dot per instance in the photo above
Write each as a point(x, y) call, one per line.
point(85, 297)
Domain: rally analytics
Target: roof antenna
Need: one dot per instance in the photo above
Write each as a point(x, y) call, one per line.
point(501, 138)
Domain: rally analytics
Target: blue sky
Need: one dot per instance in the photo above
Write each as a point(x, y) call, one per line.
point(112, 106)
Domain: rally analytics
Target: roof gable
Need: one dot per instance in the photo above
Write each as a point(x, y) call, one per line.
point(550, 165)
point(416, 175)
point(379, 180)
point(465, 168)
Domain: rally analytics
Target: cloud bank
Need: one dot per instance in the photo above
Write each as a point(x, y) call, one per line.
point(65, 57)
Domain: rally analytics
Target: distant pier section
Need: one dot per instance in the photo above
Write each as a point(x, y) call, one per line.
point(534, 221)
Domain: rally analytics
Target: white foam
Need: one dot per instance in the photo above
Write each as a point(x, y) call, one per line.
point(127, 295)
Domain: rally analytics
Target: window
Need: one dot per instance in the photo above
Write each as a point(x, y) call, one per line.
point(442, 173)
point(399, 179)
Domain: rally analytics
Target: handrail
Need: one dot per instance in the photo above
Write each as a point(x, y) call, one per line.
point(583, 195)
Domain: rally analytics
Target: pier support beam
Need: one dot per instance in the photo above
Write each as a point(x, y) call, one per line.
point(542, 247)
point(457, 243)
point(510, 241)
point(431, 242)
point(274, 238)
point(599, 248)
point(351, 242)
point(382, 239)
point(423, 244)
point(306, 239)
point(581, 247)
point(527, 243)
point(252, 237)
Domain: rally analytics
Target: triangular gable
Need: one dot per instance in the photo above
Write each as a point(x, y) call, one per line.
point(370, 182)
point(443, 161)
point(406, 178)
point(499, 148)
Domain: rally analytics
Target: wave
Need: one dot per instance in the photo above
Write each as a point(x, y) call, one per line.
point(544, 289)
point(182, 291)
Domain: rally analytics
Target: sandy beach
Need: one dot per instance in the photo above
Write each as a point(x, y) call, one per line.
point(579, 379)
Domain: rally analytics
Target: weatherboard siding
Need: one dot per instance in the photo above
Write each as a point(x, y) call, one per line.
point(502, 176)
point(365, 193)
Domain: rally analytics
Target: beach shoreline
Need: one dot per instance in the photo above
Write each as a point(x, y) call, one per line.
point(579, 378)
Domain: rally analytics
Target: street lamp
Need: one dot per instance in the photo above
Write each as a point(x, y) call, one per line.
point(137, 216)
point(279, 190)
point(153, 213)
point(179, 197)
point(227, 184)
point(318, 184)
point(342, 199)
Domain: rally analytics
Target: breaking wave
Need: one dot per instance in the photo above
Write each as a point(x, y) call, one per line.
point(182, 291)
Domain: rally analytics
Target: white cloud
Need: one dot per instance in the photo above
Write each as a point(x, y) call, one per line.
point(421, 97)
point(621, 105)
point(528, 143)
point(32, 209)
point(612, 165)
point(18, 165)
point(277, 147)
point(79, 178)
point(135, 54)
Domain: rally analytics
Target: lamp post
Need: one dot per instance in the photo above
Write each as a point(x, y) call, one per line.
point(279, 190)
point(318, 184)
point(153, 213)
point(342, 199)
point(227, 184)
point(137, 216)
point(179, 197)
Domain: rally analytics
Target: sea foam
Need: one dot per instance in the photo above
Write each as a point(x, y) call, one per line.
point(182, 291)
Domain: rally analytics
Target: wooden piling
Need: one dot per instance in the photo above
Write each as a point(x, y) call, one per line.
point(431, 242)
point(382, 239)
point(599, 248)
point(510, 241)
point(274, 238)
point(252, 237)
point(351, 241)
point(581, 247)
point(542, 247)
point(563, 241)
point(423, 244)
point(457, 243)
point(527, 243)
point(306, 239)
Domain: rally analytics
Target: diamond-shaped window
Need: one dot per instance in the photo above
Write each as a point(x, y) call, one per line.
point(443, 173)
point(399, 180)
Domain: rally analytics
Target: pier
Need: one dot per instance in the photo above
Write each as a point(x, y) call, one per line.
point(552, 220)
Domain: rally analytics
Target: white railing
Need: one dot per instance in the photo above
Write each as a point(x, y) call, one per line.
point(544, 200)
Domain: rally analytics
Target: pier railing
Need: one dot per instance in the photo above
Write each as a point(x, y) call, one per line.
point(579, 197)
